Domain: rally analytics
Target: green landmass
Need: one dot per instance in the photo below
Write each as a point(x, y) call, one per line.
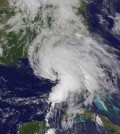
point(88, 115)
point(110, 126)
point(6, 12)
point(84, 12)
point(49, 19)
point(83, 7)
point(35, 127)
point(12, 43)
point(106, 122)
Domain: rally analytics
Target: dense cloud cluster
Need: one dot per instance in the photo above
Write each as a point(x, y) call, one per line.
point(68, 53)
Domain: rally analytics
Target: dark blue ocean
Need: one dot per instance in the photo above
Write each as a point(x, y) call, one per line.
point(105, 8)
point(23, 95)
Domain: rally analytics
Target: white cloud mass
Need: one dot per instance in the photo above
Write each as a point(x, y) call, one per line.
point(68, 53)
point(51, 131)
point(116, 27)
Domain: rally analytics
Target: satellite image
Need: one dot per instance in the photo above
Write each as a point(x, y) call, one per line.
point(59, 66)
